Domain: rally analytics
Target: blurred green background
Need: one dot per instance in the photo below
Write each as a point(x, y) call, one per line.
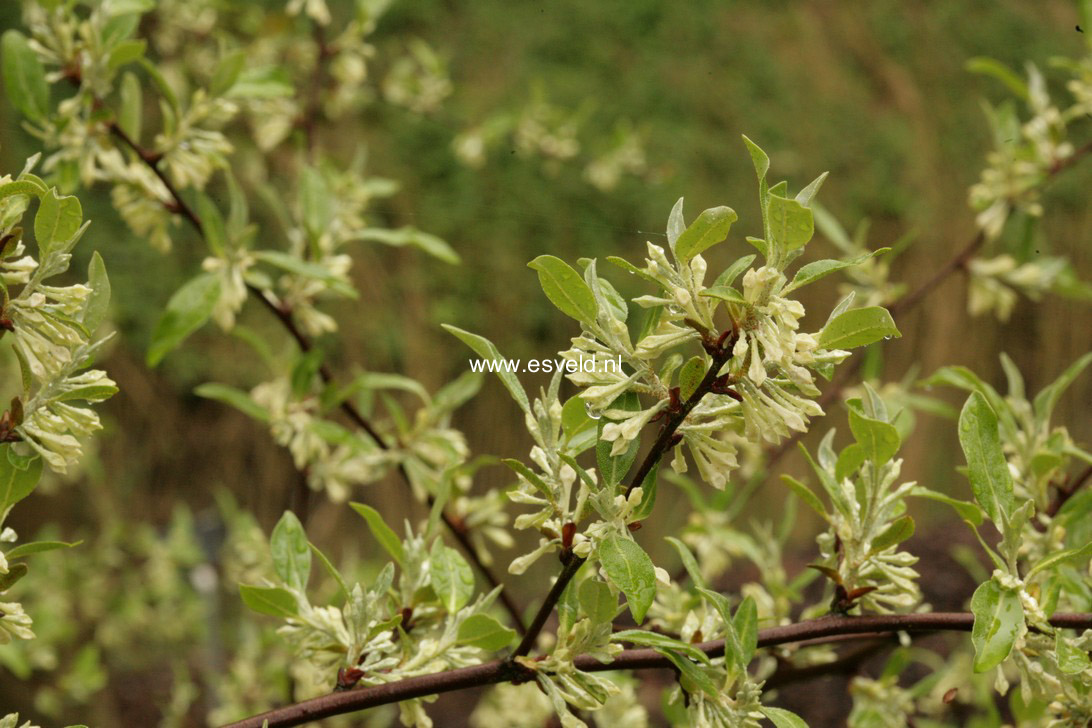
point(875, 93)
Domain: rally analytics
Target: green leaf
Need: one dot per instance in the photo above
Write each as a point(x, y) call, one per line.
point(14, 573)
point(38, 547)
point(343, 588)
point(565, 288)
point(414, 238)
point(57, 222)
point(782, 718)
point(267, 82)
point(998, 617)
point(1047, 399)
point(484, 632)
point(131, 106)
point(381, 531)
point(1071, 659)
point(187, 310)
point(578, 427)
point(662, 641)
point(728, 277)
point(746, 627)
point(597, 601)
point(291, 553)
point(237, 398)
point(726, 293)
point(821, 268)
point(1001, 72)
point(676, 224)
point(306, 269)
point(805, 494)
point(1058, 557)
point(125, 52)
point(688, 560)
point(631, 570)
point(531, 477)
point(16, 483)
point(791, 224)
point(212, 225)
point(986, 466)
point(98, 302)
point(24, 76)
point(227, 72)
point(452, 577)
point(849, 461)
point(858, 327)
point(879, 440)
point(613, 468)
point(690, 376)
point(710, 228)
point(631, 268)
point(271, 600)
point(900, 530)
point(690, 672)
point(484, 348)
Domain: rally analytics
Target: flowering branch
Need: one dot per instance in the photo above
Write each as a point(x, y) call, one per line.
point(721, 351)
point(178, 205)
point(491, 673)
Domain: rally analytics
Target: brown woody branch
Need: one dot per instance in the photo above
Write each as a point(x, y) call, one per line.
point(500, 671)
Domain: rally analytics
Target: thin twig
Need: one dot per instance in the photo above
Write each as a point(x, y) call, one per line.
point(500, 671)
point(721, 351)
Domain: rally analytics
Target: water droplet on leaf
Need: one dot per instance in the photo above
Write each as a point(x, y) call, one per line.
point(593, 413)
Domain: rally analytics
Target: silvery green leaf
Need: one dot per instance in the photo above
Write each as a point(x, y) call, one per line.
point(630, 569)
point(821, 268)
point(57, 222)
point(782, 718)
point(998, 618)
point(484, 632)
point(131, 108)
point(879, 440)
point(675, 224)
point(565, 288)
point(484, 348)
point(806, 195)
point(578, 427)
point(98, 302)
point(791, 224)
point(597, 601)
point(187, 310)
point(858, 327)
point(1046, 399)
point(291, 553)
point(662, 641)
point(274, 601)
point(710, 227)
point(986, 466)
point(688, 560)
point(805, 494)
point(38, 547)
point(691, 376)
point(1058, 557)
point(381, 531)
point(696, 676)
point(24, 76)
point(410, 236)
point(745, 623)
point(899, 530)
point(726, 293)
point(452, 577)
point(1071, 659)
point(728, 277)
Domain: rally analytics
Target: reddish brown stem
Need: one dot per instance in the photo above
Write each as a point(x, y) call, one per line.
point(500, 671)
